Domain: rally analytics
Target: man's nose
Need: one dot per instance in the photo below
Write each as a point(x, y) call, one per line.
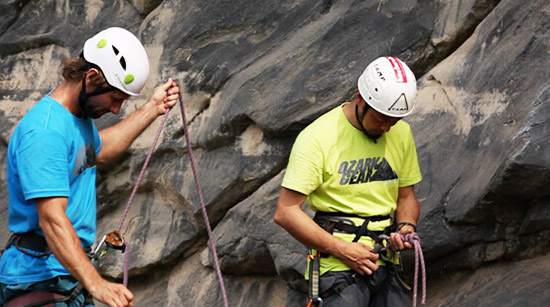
point(115, 108)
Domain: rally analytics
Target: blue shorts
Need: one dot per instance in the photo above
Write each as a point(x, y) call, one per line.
point(59, 284)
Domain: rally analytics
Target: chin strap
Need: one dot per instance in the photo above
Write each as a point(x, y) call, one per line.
point(83, 96)
point(360, 120)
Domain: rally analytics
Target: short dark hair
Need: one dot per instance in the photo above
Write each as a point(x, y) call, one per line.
point(75, 69)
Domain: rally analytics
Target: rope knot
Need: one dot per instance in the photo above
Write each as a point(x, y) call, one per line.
point(414, 239)
point(411, 238)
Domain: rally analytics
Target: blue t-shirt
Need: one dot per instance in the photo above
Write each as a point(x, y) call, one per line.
point(51, 154)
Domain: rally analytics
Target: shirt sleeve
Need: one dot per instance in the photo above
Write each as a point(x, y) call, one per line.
point(304, 172)
point(42, 162)
point(97, 140)
point(410, 174)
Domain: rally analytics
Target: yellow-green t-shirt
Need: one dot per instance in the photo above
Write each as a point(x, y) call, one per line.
point(342, 170)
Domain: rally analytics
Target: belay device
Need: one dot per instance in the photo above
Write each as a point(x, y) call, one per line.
point(112, 240)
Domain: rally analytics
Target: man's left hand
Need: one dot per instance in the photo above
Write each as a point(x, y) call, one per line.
point(165, 96)
point(397, 243)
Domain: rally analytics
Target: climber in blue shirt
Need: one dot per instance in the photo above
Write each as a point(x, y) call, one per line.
point(51, 172)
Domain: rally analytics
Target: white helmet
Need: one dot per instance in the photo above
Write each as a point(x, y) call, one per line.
point(121, 57)
point(388, 86)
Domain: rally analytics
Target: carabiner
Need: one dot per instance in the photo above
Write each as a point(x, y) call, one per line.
point(315, 301)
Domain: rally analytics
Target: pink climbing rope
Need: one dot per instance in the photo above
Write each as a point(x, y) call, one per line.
point(126, 261)
point(133, 194)
point(149, 154)
point(414, 239)
point(203, 207)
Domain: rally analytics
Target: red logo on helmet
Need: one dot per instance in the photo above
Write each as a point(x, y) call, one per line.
point(400, 75)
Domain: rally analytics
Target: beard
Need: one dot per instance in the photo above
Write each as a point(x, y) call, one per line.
point(89, 110)
point(94, 114)
point(372, 136)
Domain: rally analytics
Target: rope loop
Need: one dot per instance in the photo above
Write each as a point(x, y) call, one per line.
point(414, 239)
point(197, 186)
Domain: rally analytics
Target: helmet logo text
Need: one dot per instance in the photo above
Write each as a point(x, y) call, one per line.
point(379, 72)
point(400, 75)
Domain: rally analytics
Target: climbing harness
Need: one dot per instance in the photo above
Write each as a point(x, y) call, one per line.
point(115, 240)
point(47, 298)
point(337, 222)
point(29, 241)
point(35, 245)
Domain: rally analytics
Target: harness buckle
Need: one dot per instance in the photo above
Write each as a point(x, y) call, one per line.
point(113, 240)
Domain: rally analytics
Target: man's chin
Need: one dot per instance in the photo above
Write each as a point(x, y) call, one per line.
point(95, 115)
point(373, 136)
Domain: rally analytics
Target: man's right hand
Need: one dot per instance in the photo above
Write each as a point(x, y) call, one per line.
point(358, 257)
point(112, 294)
point(65, 245)
point(290, 216)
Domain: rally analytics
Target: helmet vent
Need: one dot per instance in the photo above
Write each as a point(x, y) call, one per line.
point(115, 50)
point(123, 63)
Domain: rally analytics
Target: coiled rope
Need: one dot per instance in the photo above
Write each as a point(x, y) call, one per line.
point(414, 239)
point(203, 207)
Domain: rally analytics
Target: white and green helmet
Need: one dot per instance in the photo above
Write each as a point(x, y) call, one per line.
point(121, 57)
point(389, 86)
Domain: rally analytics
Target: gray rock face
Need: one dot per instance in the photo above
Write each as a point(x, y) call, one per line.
point(253, 74)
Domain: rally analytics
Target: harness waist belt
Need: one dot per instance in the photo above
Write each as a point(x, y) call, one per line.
point(374, 218)
point(331, 221)
point(39, 298)
point(48, 298)
point(29, 240)
point(34, 242)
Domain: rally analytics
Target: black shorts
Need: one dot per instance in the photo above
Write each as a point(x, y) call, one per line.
point(380, 289)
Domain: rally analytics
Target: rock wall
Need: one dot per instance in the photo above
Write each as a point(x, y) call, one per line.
point(253, 74)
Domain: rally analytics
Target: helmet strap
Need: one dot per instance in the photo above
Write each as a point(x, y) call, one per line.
point(360, 118)
point(83, 96)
